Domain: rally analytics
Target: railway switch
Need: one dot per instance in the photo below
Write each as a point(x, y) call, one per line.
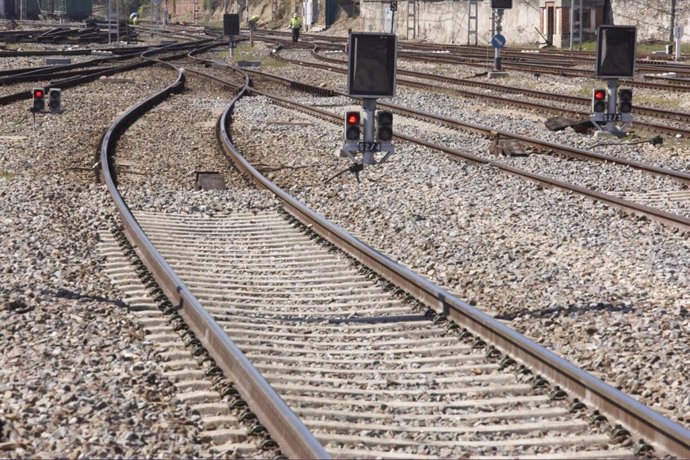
point(384, 128)
point(39, 100)
point(55, 100)
point(598, 104)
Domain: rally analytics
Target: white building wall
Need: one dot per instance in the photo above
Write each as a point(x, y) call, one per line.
point(652, 17)
point(447, 21)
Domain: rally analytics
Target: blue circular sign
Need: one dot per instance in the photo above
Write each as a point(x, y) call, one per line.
point(498, 41)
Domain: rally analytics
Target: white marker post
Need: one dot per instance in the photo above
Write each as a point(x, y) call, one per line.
point(678, 34)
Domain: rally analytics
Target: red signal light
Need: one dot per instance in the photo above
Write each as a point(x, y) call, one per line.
point(38, 93)
point(599, 94)
point(352, 129)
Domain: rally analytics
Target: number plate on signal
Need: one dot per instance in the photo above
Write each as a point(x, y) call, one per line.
point(613, 117)
point(369, 147)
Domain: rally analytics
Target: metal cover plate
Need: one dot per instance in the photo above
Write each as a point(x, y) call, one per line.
point(210, 181)
point(249, 63)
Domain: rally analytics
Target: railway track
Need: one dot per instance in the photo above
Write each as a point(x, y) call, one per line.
point(524, 92)
point(669, 218)
point(368, 374)
point(528, 103)
point(517, 60)
point(358, 423)
point(279, 298)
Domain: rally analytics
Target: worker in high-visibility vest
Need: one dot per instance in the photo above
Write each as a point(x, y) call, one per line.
point(295, 25)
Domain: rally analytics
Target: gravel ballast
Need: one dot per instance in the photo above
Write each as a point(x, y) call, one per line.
point(78, 377)
point(602, 289)
point(596, 286)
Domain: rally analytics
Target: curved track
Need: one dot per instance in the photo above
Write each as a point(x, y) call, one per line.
point(179, 237)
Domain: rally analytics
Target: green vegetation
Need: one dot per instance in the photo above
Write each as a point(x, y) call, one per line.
point(642, 48)
point(244, 52)
point(6, 175)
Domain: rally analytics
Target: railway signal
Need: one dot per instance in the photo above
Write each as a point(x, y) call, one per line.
point(598, 104)
point(55, 100)
point(502, 4)
point(38, 100)
point(372, 64)
point(352, 134)
point(384, 128)
point(625, 104)
point(352, 129)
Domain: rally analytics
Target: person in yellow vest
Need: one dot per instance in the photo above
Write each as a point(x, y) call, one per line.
point(295, 25)
point(253, 21)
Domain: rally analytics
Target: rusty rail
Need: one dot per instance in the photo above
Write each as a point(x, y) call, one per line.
point(650, 425)
point(294, 439)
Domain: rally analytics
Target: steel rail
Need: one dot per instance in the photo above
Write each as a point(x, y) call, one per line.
point(8, 76)
point(492, 132)
point(650, 425)
point(639, 109)
point(573, 152)
point(526, 104)
point(81, 52)
point(676, 221)
point(94, 75)
point(294, 439)
point(479, 52)
point(426, 57)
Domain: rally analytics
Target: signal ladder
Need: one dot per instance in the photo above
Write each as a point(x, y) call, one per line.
point(197, 14)
point(411, 19)
point(576, 23)
point(472, 22)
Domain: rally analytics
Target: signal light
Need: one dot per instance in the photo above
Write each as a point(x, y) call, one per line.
point(54, 100)
point(352, 129)
point(598, 101)
point(39, 102)
point(625, 101)
point(384, 123)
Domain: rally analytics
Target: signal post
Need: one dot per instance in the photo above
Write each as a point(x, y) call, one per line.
point(231, 28)
point(615, 60)
point(498, 41)
point(371, 75)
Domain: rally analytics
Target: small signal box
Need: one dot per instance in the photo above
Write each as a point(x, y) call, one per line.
point(502, 4)
point(54, 100)
point(352, 129)
point(625, 104)
point(598, 104)
point(38, 100)
point(625, 100)
point(384, 126)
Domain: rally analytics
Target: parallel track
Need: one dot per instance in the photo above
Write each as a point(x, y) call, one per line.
point(529, 104)
point(284, 317)
point(674, 220)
